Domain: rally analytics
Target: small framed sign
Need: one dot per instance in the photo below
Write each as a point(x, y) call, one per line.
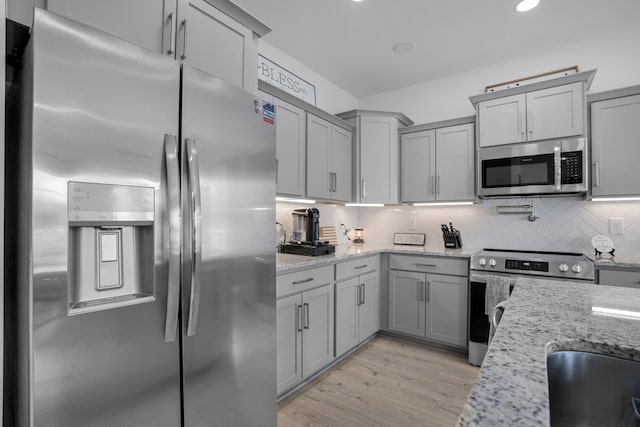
point(411, 239)
point(277, 76)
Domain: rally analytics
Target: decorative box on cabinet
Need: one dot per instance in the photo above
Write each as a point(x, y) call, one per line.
point(554, 108)
point(437, 161)
point(376, 151)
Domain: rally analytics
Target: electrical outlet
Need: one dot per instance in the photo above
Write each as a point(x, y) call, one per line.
point(616, 225)
point(412, 223)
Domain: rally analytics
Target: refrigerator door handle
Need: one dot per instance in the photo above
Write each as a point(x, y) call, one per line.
point(173, 202)
point(194, 196)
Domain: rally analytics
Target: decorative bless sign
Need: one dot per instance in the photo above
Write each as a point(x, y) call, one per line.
point(277, 76)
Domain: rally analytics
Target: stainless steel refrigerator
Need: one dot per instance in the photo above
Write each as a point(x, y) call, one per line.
point(140, 263)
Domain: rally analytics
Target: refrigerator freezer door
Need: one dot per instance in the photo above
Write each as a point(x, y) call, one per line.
point(100, 110)
point(230, 361)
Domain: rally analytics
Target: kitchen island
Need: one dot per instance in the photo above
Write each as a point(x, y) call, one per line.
point(544, 316)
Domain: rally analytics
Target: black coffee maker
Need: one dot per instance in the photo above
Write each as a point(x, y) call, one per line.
point(305, 236)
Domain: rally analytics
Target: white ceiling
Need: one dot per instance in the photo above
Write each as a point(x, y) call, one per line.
point(350, 43)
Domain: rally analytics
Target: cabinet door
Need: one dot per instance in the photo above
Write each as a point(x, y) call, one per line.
point(318, 145)
point(418, 166)
point(290, 148)
point(369, 308)
point(623, 278)
point(347, 305)
point(455, 165)
point(556, 112)
point(502, 120)
point(143, 22)
point(289, 348)
point(615, 126)
point(213, 42)
point(317, 344)
point(447, 309)
point(341, 141)
point(406, 302)
point(378, 160)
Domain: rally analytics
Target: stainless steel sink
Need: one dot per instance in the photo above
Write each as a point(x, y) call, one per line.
point(587, 389)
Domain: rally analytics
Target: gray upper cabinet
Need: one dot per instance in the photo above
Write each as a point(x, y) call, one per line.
point(376, 155)
point(290, 149)
point(328, 160)
point(554, 112)
point(615, 126)
point(438, 164)
point(201, 33)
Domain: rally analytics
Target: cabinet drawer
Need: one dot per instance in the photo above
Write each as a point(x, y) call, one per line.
point(625, 278)
point(356, 267)
point(302, 280)
point(430, 264)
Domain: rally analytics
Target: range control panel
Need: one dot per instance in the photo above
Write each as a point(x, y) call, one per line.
point(514, 264)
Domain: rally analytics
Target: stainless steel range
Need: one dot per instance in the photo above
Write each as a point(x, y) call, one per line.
point(563, 266)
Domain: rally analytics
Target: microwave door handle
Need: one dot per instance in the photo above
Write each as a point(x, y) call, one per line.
point(173, 205)
point(557, 167)
point(195, 201)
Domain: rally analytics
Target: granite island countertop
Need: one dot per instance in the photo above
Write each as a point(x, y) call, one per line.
point(543, 316)
point(289, 262)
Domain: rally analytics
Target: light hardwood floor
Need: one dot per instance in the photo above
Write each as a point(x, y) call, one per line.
point(387, 382)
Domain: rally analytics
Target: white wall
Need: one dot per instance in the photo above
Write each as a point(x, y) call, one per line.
point(615, 56)
point(329, 97)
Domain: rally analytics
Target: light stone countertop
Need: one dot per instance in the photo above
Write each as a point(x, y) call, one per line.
point(287, 262)
point(619, 261)
point(543, 316)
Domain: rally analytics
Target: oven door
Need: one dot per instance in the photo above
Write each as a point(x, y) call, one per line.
point(520, 169)
point(479, 321)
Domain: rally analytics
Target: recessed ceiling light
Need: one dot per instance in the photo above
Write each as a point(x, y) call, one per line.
point(526, 5)
point(402, 47)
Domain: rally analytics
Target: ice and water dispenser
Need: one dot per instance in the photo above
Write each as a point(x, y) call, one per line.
point(111, 246)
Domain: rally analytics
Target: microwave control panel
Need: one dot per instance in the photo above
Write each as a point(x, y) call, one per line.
point(571, 168)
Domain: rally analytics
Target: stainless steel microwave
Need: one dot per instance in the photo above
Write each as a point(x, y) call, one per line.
point(533, 168)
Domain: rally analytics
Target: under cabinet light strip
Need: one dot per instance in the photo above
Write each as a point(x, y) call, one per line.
point(444, 204)
point(292, 200)
point(368, 205)
point(615, 199)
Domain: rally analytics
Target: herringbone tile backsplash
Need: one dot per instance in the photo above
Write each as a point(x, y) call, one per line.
point(563, 224)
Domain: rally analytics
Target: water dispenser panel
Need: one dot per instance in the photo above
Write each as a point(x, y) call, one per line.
point(107, 204)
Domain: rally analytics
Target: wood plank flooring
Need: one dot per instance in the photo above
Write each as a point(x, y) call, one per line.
point(387, 382)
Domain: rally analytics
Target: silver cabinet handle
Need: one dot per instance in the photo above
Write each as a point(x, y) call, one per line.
point(276, 170)
point(173, 205)
point(596, 172)
point(358, 296)
point(299, 317)
point(522, 130)
point(184, 40)
point(530, 121)
point(306, 317)
point(364, 188)
point(360, 267)
point(428, 291)
point(308, 279)
point(421, 290)
point(335, 182)
point(437, 184)
point(172, 40)
point(196, 247)
point(431, 186)
point(363, 294)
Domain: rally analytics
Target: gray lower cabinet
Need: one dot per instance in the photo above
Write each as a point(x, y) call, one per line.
point(427, 305)
point(305, 330)
point(438, 164)
point(196, 32)
point(357, 310)
point(628, 278)
point(615, 126)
